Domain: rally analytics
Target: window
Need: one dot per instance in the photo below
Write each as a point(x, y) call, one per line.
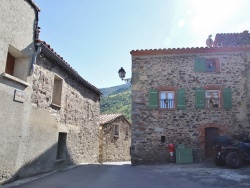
point(17, 65)
point(57, 91)
point(206, 65)
point(213, 98)
point(116, 130)
point(61, 146)
point(210, 65)
point(163, 139)
point(166, 99)
point(127, 129)
point(10, 64)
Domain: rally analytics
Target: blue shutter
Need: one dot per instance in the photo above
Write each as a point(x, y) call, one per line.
point(227, 98)
point(199, 98)
point(153, 99)
point(181, 99)
point(200, 64)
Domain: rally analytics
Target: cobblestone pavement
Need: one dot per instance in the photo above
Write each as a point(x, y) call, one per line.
point(198, 175)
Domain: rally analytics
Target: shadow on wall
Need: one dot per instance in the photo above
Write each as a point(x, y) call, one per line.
point(56, 157)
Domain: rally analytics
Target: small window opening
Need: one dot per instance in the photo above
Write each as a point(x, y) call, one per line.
point(10, 64)
point(57, 91)
point(61, 146)
point(126, 131)
point(163, 139)
point(116, 129)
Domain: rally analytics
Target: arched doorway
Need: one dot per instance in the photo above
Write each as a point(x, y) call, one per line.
point(210, 134)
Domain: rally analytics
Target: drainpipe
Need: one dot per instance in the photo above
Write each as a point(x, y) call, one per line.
point(33, 62)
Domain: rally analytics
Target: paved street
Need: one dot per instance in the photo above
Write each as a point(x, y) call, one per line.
point(201, 175)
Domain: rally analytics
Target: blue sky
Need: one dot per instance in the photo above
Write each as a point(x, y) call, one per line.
point(96, 36)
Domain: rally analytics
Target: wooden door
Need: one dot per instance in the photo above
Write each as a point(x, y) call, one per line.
point(210, 135)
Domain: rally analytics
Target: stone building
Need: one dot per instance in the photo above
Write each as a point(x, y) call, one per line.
point(49, 115)
point(115, 138)
point(189, 96)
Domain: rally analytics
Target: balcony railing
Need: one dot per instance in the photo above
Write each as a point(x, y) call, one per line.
point(167, 103)
point(212, 102)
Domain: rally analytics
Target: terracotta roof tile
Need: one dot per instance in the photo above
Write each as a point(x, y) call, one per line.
point(64, 63)
point(233, 48)
point(224, 42)
point(108, 118)
point(232, 39)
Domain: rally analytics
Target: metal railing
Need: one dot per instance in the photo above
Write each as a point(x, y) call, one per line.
point(212, 102)
point(167, 103)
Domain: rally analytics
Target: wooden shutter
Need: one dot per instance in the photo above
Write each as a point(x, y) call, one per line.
point(153, 99)
point(181, 99)
point(227, 98)
point(10, 64)
point(199, 98)
point(200, 64)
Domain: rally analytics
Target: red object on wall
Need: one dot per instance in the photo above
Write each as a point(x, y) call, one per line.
point(171, 147)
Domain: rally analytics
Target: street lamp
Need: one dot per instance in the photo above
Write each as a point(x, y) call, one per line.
point(122, 74)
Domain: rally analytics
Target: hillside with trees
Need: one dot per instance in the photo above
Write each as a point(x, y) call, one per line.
point(117, 100)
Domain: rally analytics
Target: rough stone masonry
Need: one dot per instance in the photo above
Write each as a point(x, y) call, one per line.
point(173, 70)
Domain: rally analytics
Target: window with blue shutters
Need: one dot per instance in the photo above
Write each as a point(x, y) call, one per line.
point(213, 98)
point(211, 65)
point(167, 99)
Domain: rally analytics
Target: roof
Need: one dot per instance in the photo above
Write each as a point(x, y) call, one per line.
point(169, 51)
point(48, 51)
point(232, 39)
point(33, 4)
point(108, 118)
point(224, 42)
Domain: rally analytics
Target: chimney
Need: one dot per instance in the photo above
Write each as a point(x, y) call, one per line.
point(209, 41)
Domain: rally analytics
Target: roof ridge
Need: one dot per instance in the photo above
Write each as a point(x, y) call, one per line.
point(69, 66)
point(189, 48)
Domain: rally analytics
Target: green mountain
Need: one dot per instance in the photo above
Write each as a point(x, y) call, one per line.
point(117, 100)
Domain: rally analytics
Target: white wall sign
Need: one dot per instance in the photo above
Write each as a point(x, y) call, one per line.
point(19, 96)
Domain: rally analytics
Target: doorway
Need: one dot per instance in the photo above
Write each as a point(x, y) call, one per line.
point(210, 135)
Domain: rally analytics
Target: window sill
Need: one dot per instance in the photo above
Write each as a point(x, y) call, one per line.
point(15, 79)
point(55, 105)
point(167, 109)
point(59, 160)
point(217, 108)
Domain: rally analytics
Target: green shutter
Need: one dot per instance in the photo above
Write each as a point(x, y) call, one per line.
point(153, 99)
point(199, 98)
point(227, 98)
point(181, 99)
point(200, 64)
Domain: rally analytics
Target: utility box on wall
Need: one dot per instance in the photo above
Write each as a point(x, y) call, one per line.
point(183, 155)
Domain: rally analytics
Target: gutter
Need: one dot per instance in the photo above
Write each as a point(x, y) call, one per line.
point(66, 66)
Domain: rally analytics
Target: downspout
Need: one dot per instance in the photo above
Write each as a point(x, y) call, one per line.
point(33, 62)
point(37, 46)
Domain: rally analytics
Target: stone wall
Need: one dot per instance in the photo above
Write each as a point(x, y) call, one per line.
point(79, 111)
point(115, 148)
point(185, 126)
